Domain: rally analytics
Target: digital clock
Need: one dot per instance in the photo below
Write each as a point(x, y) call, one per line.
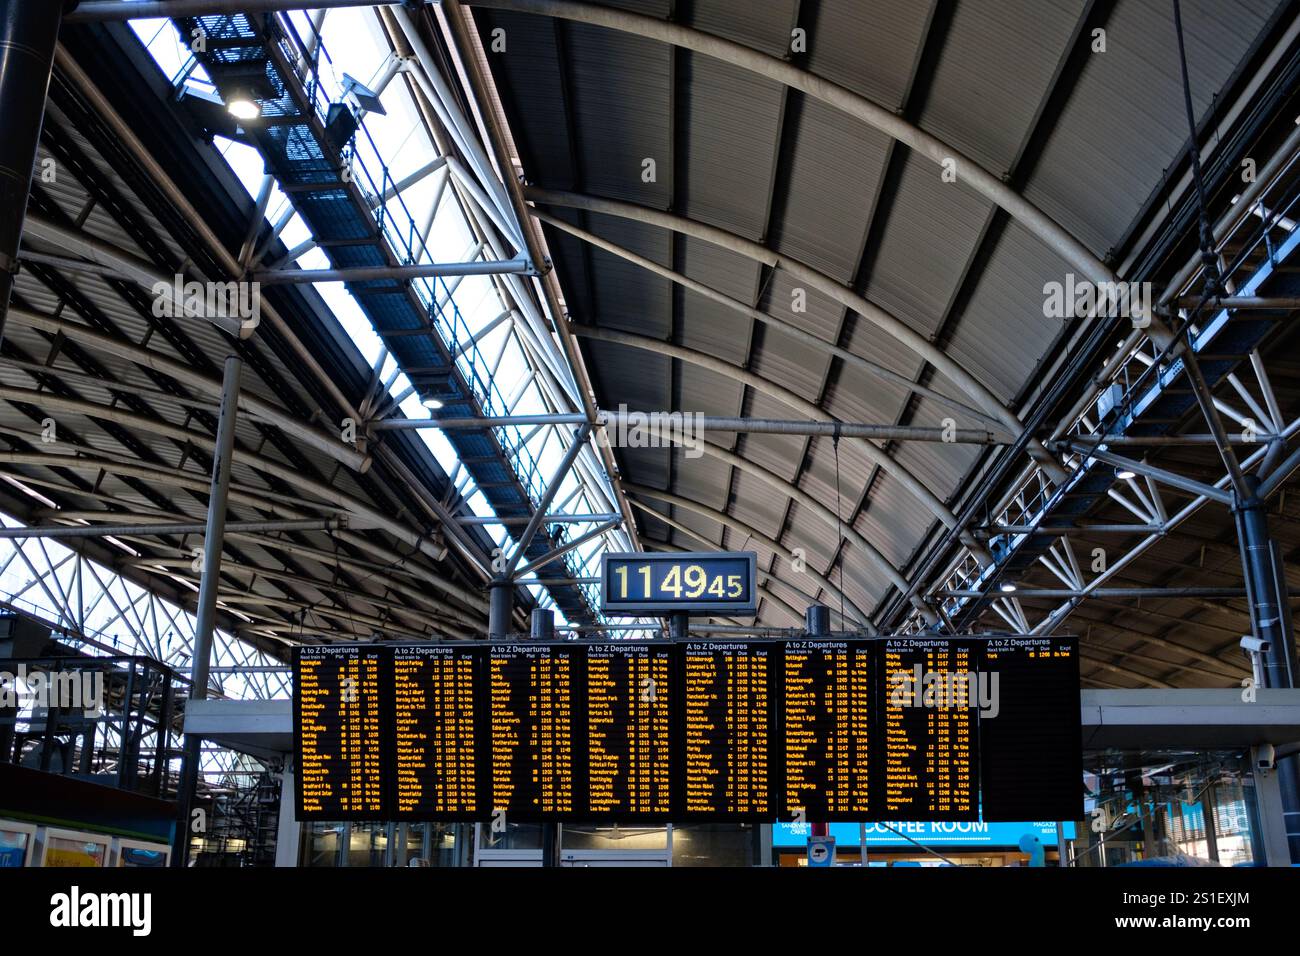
point(685, 582)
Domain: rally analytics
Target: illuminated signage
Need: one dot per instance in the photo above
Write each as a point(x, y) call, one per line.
point(927, 729)
point(691, 582)
point(901, 834)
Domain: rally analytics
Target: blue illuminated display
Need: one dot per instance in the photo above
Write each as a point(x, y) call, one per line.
point(950, 834)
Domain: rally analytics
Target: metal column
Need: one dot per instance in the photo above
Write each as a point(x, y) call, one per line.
point(501, 597)
point(1211, 824)
point(29, 33)
point(213, 543)
point(288, 831)
point(1270, 619)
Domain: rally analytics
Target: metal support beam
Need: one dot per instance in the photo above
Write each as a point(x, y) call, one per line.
point(552, 488)
point(158, 530)
point(1274, 479)
point(1109, 592)
point(137, 270)
point(670, 424)
point(29, 33)
point(397, 188)
point(1142, 468)
point(209, 585)
point(1270, 303)
point(248, 247)
point(550, 519)
point(1143, 441)
point(398, 273)
point(1205, 398)
point(803, 273)
point(464, 45)
point(788, 328)
point(101, 10)
point(569, 546)
point(1271, 621)
point(1060, 531)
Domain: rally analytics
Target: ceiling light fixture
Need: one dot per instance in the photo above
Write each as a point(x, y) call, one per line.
point(1006, 587)
point(241, 107)
point(431, 403)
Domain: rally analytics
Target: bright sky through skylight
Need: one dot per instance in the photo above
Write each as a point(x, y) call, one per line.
point(354, 45)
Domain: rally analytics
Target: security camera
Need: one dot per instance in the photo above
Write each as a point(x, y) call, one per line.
point(1265, 757)
point(1253, 645)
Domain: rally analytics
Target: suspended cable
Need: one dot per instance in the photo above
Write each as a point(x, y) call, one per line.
point(1209, 260)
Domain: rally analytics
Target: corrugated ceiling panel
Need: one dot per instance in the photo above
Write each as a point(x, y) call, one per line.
point(793, 364)
point(763, 26)
point(894, 521)
point(940, 467)
point(781, 454)
point(832, 177)
point(932, 231)
point(714, 329)
point(720, 269)
point(627, 375)
point(814, 536)
point(650, 8)
point(820, 314)
point(707, 531)
point(870, 48)
point(651, 527)
point(818, 478)
point(998, 60)
point(528, 77)
point(1126, 121)
point(704, 479)
point(620, 85)
point(645, 466)
point(757, 504)
point(732, 118)
point(627, 296)
point(858, 395)
point(569, 256)
point(707, 393)
point(1007, 307)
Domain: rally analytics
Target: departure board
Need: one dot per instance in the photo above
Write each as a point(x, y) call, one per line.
point(436, 732)
point(536, 715)
point(1031, 746)
point(629, 693)
point(726, 730)
point(920, 728)
point(338, 715)
point(826, 725)
point(928, 751)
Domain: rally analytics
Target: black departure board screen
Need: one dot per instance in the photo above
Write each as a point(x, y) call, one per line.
point(929, 710)
point(536, 716)
point(339, 713)
point(726, 730)
point(437, 729)
point(628, 689)
point(828, 729)
point(1031, 745)
point(826, 725)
